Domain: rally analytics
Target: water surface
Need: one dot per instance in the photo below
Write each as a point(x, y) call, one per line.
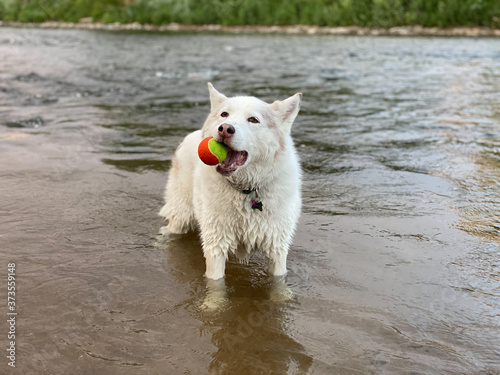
point(395, 265)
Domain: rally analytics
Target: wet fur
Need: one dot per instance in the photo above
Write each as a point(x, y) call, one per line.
point(197, 196)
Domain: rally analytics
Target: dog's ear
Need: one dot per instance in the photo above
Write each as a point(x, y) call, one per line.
point(216, 98)
point(287, 110)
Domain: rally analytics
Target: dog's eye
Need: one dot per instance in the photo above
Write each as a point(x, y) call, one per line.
point(253, 120)
point(224, 114)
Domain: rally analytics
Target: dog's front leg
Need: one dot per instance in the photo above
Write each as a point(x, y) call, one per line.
point(277, 268)
point(277, 262)
point(280, 240)
point(217, 240)
point(215, 250)
point(215, 259)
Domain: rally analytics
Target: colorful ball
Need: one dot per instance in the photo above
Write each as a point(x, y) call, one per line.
point(212, 152)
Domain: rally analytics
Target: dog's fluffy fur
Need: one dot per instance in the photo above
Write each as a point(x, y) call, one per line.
point(262, 166)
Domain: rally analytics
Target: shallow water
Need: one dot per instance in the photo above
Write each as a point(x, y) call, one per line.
point(395, 265)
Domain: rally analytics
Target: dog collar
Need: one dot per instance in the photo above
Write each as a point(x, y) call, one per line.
point(256, 203)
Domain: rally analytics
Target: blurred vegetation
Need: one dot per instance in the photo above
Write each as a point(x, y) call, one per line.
point(371, 13)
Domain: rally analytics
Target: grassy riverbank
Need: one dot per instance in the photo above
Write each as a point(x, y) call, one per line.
point(365, 13)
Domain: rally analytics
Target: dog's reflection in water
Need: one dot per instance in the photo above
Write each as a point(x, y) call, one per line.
point(186, 263)
point(246, 314)
point(217, 296)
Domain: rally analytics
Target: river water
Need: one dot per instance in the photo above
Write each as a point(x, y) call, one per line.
point(395, 265)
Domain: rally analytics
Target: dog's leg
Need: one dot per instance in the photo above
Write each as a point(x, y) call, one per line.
point(178, 211)
point(217, 239)
point(216, 264)
point(280, 241)
point(277, 262)
point(277, 268)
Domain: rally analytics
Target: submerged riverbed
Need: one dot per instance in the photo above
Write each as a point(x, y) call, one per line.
point(395, 264)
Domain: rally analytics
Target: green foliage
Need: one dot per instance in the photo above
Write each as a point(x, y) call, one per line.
point(372, 13)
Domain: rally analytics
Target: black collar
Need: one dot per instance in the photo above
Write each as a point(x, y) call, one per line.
point(249, 191)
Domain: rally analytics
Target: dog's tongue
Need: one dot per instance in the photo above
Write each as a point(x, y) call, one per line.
point(233, 160)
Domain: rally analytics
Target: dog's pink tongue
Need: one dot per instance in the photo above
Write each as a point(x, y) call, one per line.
point(234, 159)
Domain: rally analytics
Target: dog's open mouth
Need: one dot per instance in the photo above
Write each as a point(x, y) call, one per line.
point(234, 159)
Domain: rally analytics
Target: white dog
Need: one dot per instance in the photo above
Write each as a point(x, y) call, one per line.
point(252, 200)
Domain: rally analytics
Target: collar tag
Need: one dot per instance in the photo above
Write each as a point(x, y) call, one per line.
point(256, 205)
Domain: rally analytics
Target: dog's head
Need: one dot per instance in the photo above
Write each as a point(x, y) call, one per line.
point(254, 131)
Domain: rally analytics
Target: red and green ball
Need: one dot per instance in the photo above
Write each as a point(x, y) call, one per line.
point(212, 152)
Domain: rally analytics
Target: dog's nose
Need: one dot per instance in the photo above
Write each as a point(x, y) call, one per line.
point(226, 130)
